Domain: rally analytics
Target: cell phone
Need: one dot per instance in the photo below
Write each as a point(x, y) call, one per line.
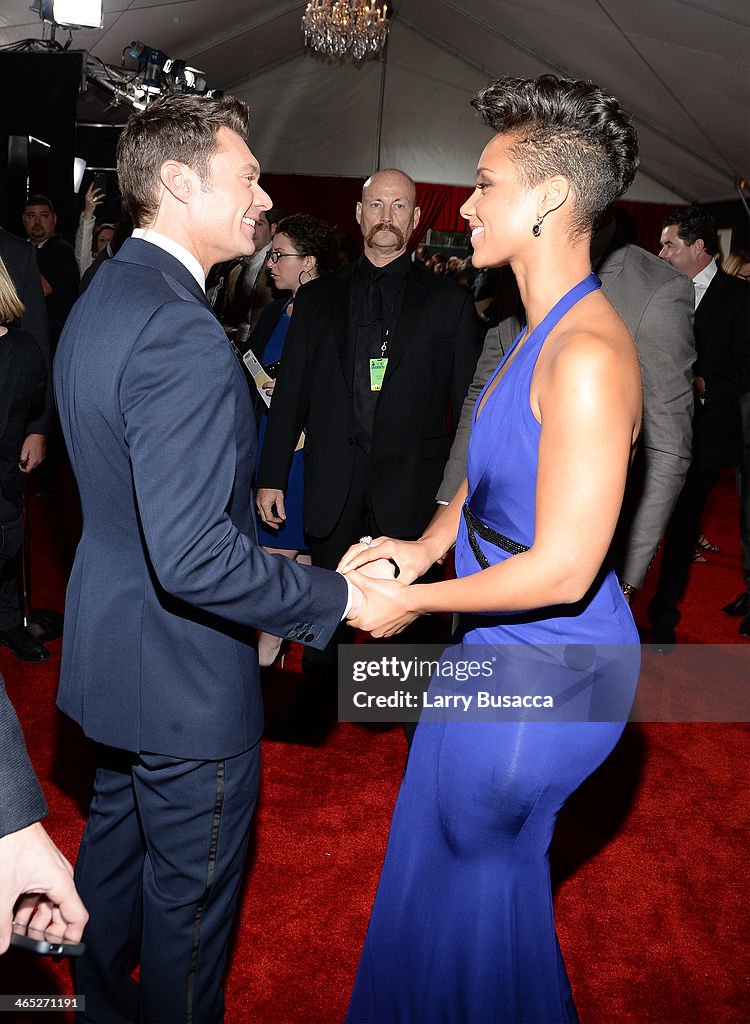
point(43, 943)
point(100, 181)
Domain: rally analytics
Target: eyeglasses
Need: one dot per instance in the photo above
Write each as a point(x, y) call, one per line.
point(275, 255)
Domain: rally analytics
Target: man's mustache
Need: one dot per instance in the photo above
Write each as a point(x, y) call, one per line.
point(382, 226)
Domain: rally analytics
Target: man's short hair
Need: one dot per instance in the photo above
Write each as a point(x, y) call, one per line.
point(693, 222)
point(177, 127)
point(39, 200)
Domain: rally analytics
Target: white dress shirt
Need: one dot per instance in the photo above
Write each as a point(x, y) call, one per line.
point(179, 252)
point(702, 280)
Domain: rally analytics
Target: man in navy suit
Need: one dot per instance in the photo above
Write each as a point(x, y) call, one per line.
point(158, 663)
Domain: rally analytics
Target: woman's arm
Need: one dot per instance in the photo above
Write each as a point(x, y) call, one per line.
point(589, 405)
point(413, 557)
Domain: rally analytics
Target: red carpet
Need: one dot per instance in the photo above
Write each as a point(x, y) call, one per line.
point(651, 896)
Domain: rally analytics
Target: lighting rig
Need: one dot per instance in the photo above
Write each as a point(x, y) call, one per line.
point(144, 73)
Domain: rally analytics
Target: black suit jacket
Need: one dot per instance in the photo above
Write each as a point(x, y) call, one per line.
point(435, 346)
point(19, 258)
point(722, 341)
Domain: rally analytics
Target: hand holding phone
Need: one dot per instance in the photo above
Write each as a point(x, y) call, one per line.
point(43, 943)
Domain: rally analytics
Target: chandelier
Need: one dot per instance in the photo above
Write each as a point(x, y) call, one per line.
point(338, 27)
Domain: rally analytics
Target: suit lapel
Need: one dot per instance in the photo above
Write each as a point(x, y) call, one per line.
point(407, 325)
point(709, 306)
point(341, 300)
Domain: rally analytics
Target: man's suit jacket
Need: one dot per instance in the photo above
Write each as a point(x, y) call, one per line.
point(19, 258)
point(433, 352)
point(168, 577)
point(656, 303)
point(21, 800)
point(722, 340)
point(59, 266)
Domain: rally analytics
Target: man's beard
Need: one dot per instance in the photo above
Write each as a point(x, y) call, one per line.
point(395, 231)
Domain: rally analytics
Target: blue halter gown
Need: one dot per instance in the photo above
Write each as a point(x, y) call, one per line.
point(462, 930)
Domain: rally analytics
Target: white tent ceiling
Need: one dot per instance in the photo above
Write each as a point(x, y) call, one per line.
point(680, 66)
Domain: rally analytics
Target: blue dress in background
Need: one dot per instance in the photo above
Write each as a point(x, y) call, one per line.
point(291, 535)
point(462, 930)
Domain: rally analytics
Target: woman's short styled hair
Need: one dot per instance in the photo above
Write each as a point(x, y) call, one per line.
point(558, 126)
point(177, 127)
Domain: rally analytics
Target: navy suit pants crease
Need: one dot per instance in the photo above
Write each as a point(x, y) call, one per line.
point(679, 543)
point(10, 545)
point(160, 870)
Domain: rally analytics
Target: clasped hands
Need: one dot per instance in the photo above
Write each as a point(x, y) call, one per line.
point(384, 605)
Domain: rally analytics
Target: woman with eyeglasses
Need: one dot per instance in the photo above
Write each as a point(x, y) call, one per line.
point(304, 248)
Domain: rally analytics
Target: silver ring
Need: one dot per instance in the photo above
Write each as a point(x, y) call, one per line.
point(366, 540)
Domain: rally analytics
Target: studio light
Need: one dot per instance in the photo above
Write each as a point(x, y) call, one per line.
point(72, 13)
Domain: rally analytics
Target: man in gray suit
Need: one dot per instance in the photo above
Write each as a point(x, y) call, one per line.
point(657, 307)
point(29, 860)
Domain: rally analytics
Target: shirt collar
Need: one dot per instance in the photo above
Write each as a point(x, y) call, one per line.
point(704, 278)
point(186, 258)
point(396, 268)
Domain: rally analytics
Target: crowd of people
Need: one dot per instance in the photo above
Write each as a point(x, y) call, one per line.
point(552, 406)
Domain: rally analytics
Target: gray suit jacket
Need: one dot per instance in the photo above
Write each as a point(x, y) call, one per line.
point(656, 302)
point(21, 800)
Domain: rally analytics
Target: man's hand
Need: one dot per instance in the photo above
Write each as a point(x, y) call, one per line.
point(266, 500)
point(386, 609)
point(33, 450)
point(32, 867)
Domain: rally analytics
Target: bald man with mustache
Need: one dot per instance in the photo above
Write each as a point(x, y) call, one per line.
point(377, 363)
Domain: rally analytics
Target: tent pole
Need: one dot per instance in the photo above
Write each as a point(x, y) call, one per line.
point(381, 104)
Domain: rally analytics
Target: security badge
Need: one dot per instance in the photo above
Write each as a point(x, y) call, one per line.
point(377, 372)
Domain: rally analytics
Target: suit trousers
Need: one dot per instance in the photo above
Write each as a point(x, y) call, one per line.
point(357, 519)
point(744, 482)
point(679, 544)
point(10, 544)
point(160, 870)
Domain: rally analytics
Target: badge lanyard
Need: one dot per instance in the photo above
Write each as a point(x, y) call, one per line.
point(379, 365)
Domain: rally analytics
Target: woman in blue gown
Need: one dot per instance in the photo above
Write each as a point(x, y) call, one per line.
point(462, 929)
point(303, 248)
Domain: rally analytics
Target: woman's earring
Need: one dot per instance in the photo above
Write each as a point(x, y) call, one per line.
point(537, 229)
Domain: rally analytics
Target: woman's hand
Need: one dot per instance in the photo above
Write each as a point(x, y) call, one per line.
point(94, 196)
point(269, 385)
point(413, 557)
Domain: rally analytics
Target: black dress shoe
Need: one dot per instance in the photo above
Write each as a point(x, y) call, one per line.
point(23, 644)
point(663, 641)
point(740, 605)
point(745, 626)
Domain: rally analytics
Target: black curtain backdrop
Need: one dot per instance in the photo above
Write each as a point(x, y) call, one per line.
point(39, 94)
